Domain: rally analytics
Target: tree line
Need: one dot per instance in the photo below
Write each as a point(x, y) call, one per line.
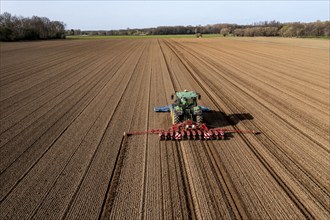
point(272, 28)
point(14, 28)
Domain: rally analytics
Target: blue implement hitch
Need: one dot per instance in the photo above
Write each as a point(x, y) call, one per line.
point(167, 108)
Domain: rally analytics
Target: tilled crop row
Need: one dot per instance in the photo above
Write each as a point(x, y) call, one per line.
point(65, 105)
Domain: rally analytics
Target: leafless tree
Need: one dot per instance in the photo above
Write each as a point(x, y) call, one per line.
point(14, 28)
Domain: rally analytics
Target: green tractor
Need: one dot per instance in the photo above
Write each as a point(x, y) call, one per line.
point(184, 107)
point(187, 119)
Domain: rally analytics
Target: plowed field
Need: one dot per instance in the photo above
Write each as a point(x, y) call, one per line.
point(65, 105)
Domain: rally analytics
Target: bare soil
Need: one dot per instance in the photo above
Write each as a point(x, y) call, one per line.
point(64, 106)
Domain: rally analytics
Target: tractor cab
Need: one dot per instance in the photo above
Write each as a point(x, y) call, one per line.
point(186, 98)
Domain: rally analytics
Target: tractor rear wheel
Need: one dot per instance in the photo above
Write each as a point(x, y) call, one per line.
point(176, 119)
point(199, 119)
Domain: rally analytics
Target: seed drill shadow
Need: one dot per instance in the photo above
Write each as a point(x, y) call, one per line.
point(220, 119)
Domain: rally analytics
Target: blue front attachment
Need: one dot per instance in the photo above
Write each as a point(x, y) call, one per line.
point(167, 108)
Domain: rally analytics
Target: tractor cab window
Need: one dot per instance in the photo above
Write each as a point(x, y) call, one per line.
point(191, 101)
point(184, 101)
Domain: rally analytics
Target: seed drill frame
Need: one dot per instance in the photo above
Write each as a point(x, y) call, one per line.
point(187, 121)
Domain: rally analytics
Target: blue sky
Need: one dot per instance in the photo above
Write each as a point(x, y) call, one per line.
point(106, 15)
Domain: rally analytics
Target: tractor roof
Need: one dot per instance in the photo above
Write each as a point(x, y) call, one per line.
point(186, 94)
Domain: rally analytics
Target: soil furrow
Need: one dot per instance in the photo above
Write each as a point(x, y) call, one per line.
point(65, 105)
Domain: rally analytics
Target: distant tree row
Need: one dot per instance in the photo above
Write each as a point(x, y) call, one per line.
point(272, 28)
point(294, 29)
point(13, 28)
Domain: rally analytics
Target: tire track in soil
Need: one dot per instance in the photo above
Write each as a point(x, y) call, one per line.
point(125, 191)
point(114, 179)
point(25, 142)
point(215, 102)
point(9, 124)
point(185, 151)
point(267, 105)
point(25, 162)
point(188, 208)
point(174, 83)
point(95, 134)
point(189, 87)
point(85, 167)
point(146, 150)
point(241, 90)
point(94, 186)
point(52, 149)
point(169, 179)
point(33, 107)
point(289, 192)
point(237, 214)
point(153, 184)
point(321, 194)
point(172, 184)
point(268, 74)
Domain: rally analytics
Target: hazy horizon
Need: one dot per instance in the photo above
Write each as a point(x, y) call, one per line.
point(113, 15)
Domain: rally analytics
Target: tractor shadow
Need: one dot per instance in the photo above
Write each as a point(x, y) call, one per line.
point(220, 119)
